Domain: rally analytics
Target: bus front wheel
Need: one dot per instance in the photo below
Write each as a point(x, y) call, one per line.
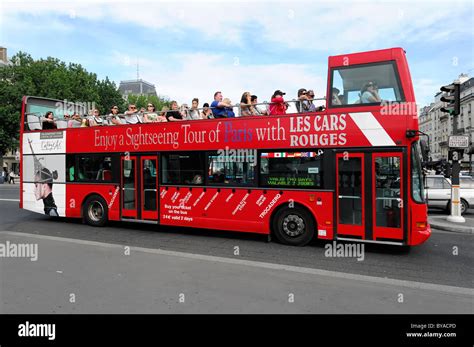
point(95, 211)
point(293, 226)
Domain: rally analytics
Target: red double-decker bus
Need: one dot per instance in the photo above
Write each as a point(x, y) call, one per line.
point(350, 171)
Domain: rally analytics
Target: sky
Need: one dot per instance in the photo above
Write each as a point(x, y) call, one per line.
point(194, 48)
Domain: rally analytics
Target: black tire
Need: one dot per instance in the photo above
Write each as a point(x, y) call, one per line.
point(293, 226)
point(464, 206)
point(95, 211)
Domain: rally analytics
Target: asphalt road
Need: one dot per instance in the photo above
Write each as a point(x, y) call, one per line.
point(166, 263)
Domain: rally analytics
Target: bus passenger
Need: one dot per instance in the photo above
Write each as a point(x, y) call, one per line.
point(336, 98)
point(206, 112)
point(310, 98)
point(96, 119)
point(278, 105)
point(48, 121)
point(218, 106)
point(255, 109)
point(370, 93)
point(75, 121)
point(194, 112)
point(302, 103)
point(229, 110)
point(184, 110)
point(174, 115)
point(150, 115)
point(113, 116)
point(163, 113)
point(132, 109)
point(246, 108)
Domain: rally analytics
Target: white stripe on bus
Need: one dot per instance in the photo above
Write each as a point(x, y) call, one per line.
point(372, 129)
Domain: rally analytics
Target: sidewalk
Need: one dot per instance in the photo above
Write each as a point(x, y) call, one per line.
point(440, 222)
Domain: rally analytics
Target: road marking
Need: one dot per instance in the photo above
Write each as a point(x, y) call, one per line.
point(9, 199)
point(258, 264)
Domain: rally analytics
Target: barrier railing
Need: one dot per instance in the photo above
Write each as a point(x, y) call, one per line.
point(35, 120)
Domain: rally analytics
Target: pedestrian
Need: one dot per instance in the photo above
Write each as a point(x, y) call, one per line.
point(12, 177)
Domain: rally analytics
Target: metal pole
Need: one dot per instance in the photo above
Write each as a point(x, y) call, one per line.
point(455, 215)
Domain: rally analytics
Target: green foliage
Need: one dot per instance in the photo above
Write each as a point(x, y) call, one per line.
point(142, 100)
point(50, 78)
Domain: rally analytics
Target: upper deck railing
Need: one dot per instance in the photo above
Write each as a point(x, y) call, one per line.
point(35, 121)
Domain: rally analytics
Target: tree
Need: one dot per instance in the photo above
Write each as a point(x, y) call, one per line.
point(50, 78)
point(142, 100)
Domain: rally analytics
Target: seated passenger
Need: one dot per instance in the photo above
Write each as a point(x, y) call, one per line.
point(131, 115)
point(370, 93)
point(206, 112)
point(75, 121)
point(132, 109)
point(278, 105)
point(246, 108)
point(229, 110)
point(256, 110)
point(302, 103)
point(150, 116)
point(184, 110)
point(113, 116)
point(96, 119)
point(163, 113)
point(197, 179)
point(218, 106)
point(336, 98)
point(194, 112)
point(174, 115)
point(85, 123)
point(48, 121)
point(310, 105)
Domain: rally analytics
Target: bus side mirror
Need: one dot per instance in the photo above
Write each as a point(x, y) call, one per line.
point(425, 150)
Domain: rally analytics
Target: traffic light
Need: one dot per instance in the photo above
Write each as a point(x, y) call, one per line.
point(452, 96)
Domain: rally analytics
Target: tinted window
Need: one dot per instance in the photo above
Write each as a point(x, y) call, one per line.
point(466, 182)
point(364, 84)
point(183, 168)
point(89, 168)
point(93, 168)
point(298, 169)
point(232, 167)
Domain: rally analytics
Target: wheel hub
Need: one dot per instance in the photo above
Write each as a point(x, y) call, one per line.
point(96, 211)
point(293, 225)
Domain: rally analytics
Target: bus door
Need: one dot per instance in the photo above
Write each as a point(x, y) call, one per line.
point(129, 187)
point(149, 187)
point(350, 205)
point(140, 187)
point(387, 196)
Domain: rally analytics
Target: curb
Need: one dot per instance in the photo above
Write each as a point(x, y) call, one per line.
point(446, 227)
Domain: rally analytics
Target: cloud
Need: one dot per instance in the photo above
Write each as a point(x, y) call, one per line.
point(336, 26)
point(200, 75)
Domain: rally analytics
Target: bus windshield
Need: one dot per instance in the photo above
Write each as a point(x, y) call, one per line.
point(365, 84)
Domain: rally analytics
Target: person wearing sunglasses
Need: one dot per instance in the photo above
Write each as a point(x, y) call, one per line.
point(370, 93)
point(113, 116)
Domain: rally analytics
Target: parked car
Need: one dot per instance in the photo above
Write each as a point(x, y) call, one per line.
point(438, 192)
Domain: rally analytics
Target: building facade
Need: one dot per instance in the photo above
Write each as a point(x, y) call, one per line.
point(136, 87)
point(439, 125)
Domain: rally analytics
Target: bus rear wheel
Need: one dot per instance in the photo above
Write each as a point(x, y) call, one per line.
point(95, 211)
point(293, 226)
